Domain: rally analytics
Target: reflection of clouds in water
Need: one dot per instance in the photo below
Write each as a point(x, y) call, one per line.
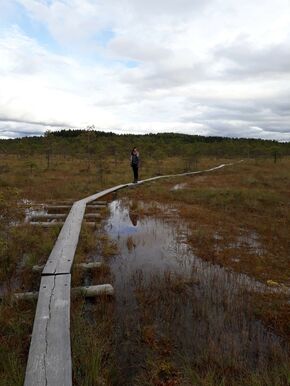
point(155, 245)
point(146, 243)
point(120, 222)
point(198, 301)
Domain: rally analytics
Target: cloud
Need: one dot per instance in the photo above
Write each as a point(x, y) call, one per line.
point(244, 59)
point(206, 67)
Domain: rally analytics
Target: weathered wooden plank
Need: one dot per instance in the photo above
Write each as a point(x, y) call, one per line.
point(93, 215)
point(92, 224)
point(58, 206)
point(47, 215)
point(96, 206)
point(61, 258)
point(183, 174)
point(90, 291)
point(103, 193)
point(49, 361)
point(46, 223)
point(85, 266)
point(91, 265)
point(94, 290)
point(62, 254)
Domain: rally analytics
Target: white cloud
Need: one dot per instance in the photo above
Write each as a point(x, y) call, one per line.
point(214, 67)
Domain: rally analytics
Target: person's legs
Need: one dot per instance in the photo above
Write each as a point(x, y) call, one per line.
point(135, 171)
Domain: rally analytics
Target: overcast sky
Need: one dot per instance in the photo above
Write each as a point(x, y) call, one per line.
point(209, 67)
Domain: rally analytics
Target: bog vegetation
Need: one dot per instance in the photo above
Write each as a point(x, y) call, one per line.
point(227, 212)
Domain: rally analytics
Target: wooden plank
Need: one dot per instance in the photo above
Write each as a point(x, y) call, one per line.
point(61, 257)
point(58, 206)
point(94, 290)
point(103, 193)
point(49, 361)
point(89, 291)
point(47, 216)
point(93, 215)
point(91, 265)
point(46, 223)
point(85, 266)
point(95, 206)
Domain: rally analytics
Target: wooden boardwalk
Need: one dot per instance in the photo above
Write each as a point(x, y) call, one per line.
point(49, 360)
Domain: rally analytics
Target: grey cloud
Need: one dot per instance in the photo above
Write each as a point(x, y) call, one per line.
point(138, 50)
point(248, 60)
point(239, 118)
point(164, 75)
point(166, 7)
point(17, 133)
point(7, 119)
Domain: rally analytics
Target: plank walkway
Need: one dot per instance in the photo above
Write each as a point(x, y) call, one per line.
point(49, 360)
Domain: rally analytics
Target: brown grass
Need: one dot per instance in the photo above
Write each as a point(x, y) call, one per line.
point(228, 210)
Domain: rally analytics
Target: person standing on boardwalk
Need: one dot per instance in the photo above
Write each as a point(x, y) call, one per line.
point(135, 160)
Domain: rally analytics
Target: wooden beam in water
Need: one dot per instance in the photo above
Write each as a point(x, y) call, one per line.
point(91, 265)
point(94, 290)
point(46, 223)
point(92, 224)
point(47, 215)
point(84, 266)
point(96, 206)
point(87, 291)
point(49, 360)
point(98, 202)
point(57, 206)
point(93, 215)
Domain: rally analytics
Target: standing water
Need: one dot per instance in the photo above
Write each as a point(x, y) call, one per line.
point(176, 314)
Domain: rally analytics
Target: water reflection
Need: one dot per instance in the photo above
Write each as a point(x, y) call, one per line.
point(202, 308)
point(146, 243)
point(134, 218)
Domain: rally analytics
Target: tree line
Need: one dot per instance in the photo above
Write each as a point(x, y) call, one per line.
point(94, 143)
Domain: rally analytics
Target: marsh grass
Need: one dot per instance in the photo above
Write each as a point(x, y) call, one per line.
point(70, 176)
point(192, 331)
point(16, 320)
point(91, 326)
point(149, 346)
point(92, 321)
point(239, 218)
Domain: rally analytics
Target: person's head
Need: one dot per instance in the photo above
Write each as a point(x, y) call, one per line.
point(134, 150)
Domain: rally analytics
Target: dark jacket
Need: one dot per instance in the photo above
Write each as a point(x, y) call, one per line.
point(135, 160)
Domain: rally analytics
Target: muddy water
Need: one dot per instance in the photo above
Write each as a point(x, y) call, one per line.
point(200, 308)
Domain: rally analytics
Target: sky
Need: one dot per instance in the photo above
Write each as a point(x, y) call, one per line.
point(207, 67)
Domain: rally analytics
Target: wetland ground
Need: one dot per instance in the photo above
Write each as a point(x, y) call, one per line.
point(200, 268)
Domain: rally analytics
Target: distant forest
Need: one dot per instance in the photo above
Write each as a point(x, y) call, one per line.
point(80, 143)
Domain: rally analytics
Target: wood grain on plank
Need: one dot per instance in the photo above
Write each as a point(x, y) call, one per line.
point(49, 361)
point(61, 257)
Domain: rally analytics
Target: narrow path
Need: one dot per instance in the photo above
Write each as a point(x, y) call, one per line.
point(49, 360)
